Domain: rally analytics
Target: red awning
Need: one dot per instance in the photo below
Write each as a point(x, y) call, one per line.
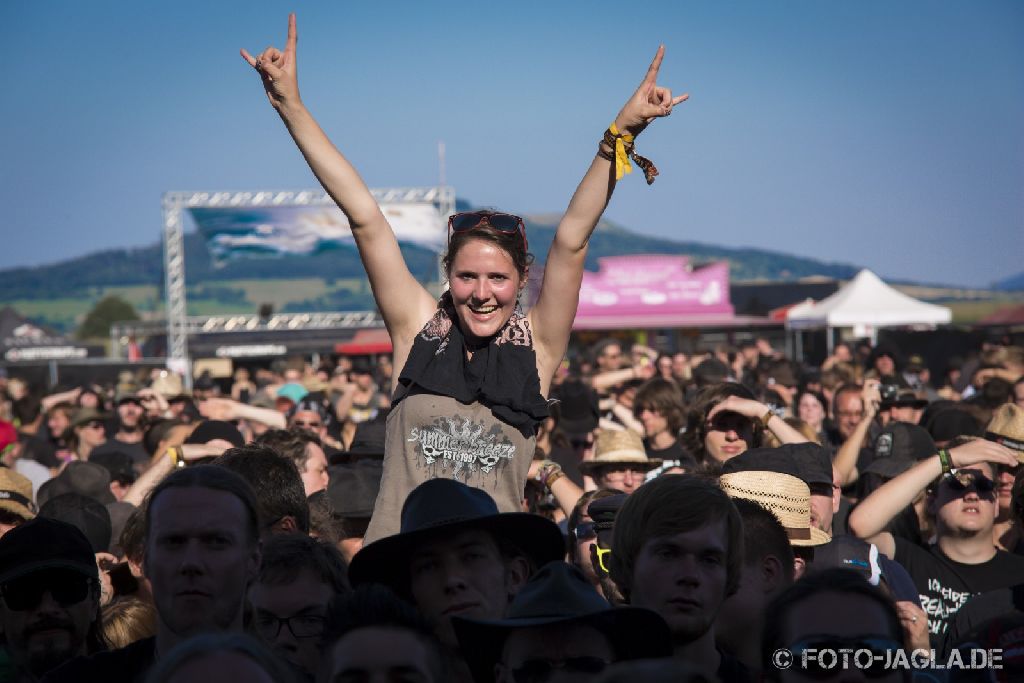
point(366, 343)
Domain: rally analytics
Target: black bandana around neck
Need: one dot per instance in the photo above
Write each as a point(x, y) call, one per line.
point(502, 374)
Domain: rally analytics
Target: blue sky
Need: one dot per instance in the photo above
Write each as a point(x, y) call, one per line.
point(885, 134)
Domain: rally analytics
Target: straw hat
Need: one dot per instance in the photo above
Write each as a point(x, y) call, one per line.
point(1007, 428)
point(618, 447)
point(786, 496)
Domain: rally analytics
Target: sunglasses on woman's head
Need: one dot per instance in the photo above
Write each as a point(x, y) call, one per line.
point(502, 222)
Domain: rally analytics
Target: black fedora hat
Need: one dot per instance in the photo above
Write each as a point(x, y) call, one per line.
point(82, 477)
point(446, 506)
point(353, 487)
point(558, 594)
point(808, 462)
point(367, 442)
point(577, 407)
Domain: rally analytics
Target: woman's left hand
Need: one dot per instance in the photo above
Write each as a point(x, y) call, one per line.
point(650, 101)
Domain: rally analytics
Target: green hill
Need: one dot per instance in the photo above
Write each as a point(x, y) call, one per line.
point(59, 294)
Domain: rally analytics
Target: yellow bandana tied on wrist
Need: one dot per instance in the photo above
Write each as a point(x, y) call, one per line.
point(622, 166)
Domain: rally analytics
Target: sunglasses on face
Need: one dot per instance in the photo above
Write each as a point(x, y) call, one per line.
point(825, 667)
point(311, 425)
point(540, 670)
point(502, 222)
point(581, 443)
point(95, 424)
point(964, 481)
point(585, 531)
point(730, 422)
point(25, 593)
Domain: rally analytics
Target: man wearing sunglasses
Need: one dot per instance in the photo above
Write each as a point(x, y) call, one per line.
point(50, 588)
point(964, 560)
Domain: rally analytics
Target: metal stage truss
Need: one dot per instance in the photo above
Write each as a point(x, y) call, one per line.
point(179, 325)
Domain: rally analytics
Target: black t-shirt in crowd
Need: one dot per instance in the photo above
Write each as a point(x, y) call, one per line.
point(944, 585)
point(129, 664)
point(135, 451)
point(982, 608)
point(673, 452)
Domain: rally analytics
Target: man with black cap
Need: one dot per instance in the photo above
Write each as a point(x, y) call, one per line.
point(352, 491)
point(50, 589)
point(558, 629)
point(456, 555)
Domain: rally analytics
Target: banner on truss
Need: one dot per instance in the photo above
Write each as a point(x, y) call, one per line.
point(268, 231)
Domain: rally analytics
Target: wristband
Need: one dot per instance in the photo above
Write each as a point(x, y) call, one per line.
point(946, 460)
point(549, 472)
point(174, 453)
point(767, 417)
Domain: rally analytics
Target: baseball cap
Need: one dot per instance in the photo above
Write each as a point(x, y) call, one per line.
point(44, 543)
point(898, 447)
point(808, 462)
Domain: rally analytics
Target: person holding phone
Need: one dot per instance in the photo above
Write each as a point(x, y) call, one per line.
point(475, 370)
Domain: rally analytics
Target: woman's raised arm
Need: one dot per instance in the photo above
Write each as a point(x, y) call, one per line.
point(553, 314)
point(404, 304)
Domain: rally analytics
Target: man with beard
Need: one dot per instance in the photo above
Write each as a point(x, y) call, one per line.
point(202, 551)
point(131, 426)
point(51, 592)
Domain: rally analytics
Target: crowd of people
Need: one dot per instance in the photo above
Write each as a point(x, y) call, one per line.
point(486, 505)
point(684, 517)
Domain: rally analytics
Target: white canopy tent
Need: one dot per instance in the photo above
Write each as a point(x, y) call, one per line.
point(866, 303)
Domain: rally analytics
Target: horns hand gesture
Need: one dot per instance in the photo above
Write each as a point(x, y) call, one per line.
point(277, 69)
point(650, 100)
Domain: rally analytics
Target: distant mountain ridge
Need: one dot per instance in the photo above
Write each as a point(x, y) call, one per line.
point(144, 265)
point(1014, 283)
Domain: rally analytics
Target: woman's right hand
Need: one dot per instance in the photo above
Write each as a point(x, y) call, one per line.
point(277, 69)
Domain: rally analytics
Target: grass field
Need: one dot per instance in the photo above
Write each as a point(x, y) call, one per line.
point(67, 312)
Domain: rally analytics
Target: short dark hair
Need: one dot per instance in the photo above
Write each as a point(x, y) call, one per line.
point(290, 443)
point(274, 480)
point(286, 555)
point(671, 504)
point(845, 389)
point(764, 535)
point(375, 605)
point(837, 580)
point(208, 477)
point(664, 397)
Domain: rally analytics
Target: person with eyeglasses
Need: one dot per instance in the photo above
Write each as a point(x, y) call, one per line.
point(964, 559)
point(298, 577)
point(475, 370)
point(50, 590)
